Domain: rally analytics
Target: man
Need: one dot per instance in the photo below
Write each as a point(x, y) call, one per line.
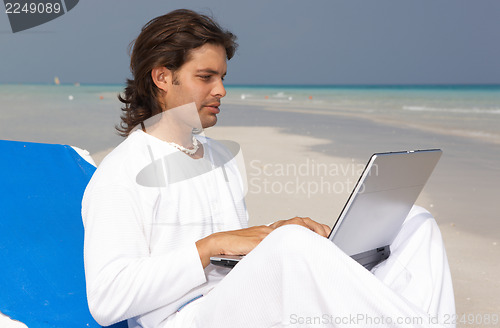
point(166, 200)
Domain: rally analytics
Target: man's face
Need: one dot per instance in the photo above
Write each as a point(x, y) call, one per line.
point(199, 80)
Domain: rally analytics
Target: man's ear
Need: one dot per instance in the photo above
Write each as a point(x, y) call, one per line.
point(162, 77)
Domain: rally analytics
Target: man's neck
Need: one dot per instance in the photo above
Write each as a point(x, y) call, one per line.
point(169, 128)
point(179, 134)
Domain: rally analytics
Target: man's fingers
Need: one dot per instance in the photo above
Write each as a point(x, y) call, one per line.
point(310, 224)
point(315, 226)
point(242, 241)
point(327, 229)
point(306, 222)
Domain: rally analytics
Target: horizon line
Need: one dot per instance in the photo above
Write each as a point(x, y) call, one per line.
point(286, 85)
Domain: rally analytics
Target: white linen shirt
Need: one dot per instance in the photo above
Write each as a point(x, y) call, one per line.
point(143, 210)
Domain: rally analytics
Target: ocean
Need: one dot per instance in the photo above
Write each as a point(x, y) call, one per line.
point(466, 110)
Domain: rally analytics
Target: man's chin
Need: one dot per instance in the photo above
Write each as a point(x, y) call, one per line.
point(209, 121)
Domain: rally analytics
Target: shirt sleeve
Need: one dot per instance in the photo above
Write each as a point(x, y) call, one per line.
point(123, 279)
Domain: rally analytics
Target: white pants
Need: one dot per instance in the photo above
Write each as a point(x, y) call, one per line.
point(296, 278)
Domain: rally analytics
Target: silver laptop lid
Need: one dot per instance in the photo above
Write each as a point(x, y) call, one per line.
point(382, 198)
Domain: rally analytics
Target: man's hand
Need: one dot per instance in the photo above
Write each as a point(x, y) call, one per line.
point(241, 242)
point(233, 242)
point(321, 229)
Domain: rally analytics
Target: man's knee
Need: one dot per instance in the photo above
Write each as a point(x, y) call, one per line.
point(294, 240)
point(418, 213)
point(289, 232)
point(419, 223)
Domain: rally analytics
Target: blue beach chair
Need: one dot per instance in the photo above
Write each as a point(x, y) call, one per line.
point(42, 281)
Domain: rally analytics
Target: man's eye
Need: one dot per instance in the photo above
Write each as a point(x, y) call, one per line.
point(205, 77)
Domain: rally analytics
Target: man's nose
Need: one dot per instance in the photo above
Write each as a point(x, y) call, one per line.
point(219, 91)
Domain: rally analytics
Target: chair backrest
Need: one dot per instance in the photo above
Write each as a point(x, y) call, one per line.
point(42, 281)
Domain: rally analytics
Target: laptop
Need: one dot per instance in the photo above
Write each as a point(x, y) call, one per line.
point(377, 207)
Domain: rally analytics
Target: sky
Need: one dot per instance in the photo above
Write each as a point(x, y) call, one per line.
point(339, 42)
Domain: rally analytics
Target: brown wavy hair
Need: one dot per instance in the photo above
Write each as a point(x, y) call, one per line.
point(165, 41)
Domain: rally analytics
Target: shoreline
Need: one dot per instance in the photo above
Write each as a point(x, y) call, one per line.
point(380, 118)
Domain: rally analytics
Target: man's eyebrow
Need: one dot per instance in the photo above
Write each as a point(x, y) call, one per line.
point(209, 71)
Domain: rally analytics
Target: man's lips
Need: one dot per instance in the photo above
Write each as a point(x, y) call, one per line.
point(214, 108)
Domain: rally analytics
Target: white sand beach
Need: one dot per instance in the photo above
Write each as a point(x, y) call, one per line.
point(473, 257)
